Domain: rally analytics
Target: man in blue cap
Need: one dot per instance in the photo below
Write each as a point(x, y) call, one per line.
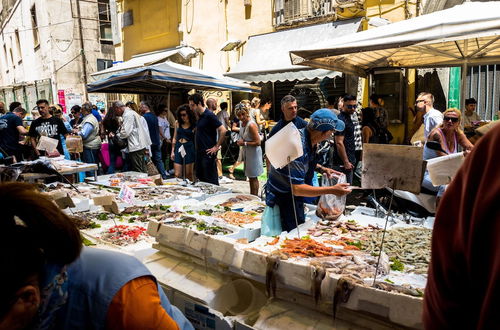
point(322, 125)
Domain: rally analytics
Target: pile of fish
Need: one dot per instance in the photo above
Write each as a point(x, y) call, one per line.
point(338, 228)
point(411, 246)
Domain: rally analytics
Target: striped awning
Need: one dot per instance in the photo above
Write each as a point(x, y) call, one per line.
point(160, 78)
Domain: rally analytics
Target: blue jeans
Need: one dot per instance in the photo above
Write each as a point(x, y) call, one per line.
point(90, 156)
point(113, 154)
point(156, 158)
point(427, 183)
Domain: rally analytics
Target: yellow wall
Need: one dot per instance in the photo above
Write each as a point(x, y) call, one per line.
point(216, 22)
point(155, 26)
point(394, 11)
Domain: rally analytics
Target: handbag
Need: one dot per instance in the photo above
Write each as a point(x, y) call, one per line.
point(151, 167)
point(117, 142)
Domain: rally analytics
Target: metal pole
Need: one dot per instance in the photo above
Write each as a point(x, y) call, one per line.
point(293, 198)
point(383, 235)
point(463, 84)
point(82, 51)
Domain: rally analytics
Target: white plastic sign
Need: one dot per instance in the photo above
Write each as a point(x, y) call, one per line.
point(284, 146)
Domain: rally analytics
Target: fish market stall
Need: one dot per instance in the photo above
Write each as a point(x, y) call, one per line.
point(207, 253)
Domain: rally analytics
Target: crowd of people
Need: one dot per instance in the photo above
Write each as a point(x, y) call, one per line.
point(189, 142)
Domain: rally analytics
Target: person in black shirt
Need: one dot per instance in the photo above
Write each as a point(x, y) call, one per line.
point(46, 125)
point(11, 126)
point(344, 158)
point(207, 144)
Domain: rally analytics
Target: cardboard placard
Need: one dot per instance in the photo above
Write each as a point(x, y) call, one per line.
point(393, 166)
point(64, 202)
point(74, 143)
point(103, 200)
point(113, 208)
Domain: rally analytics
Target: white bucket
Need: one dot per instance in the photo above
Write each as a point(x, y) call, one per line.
point(239, 297)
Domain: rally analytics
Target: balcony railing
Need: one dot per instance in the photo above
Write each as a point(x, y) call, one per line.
point(290, 11)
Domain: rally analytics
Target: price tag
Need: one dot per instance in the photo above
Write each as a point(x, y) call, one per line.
point(182, 151)
point(126, 194)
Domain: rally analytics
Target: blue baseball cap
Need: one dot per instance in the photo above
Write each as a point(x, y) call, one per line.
point(325, 120)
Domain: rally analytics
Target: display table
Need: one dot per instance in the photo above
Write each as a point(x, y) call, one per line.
point(65, 170)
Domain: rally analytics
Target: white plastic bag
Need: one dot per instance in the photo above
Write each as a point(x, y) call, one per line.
point(330, 207)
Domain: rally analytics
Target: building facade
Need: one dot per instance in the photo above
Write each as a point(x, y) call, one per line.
point(49, 48)
point(250, 40)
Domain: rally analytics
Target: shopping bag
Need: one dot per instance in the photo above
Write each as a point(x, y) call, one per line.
point(330, 207)
point(74, 143)
point(151, 168)
point(271, 221)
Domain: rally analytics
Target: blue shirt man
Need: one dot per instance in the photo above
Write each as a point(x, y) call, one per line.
point(293, 178)
point(11, 126)
point(154, 135)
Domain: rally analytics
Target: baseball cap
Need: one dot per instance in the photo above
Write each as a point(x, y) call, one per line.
point(325, 120)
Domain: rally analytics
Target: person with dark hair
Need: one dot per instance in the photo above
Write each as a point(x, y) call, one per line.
point(223, 115)
point(2, 108)
point(289, 114)
point(111, 125)
point(462, 289)
point(332, 103)
point(370, 127)
point(46, 125)
point(196, 99)
point(376, 103)
point(208, 127)
point(264, 107)
point(154, 135)
point(164, 126)
point(11, 128)
point(51, 282)
point(344, 157)
point(184, 137)
point(77, 116)
point(470, 117)
point(14, 105)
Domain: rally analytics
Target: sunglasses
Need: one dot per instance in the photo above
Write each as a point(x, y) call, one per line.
point(453, 119)
point(183, 114)
point(351, 106)
point(418, 101)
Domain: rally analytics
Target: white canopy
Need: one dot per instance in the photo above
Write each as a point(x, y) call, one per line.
point(463, 35)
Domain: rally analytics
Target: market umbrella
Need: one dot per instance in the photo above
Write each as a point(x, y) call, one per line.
point(160, 78)
point(464, 35)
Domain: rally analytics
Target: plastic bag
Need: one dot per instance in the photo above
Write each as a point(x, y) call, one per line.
point(330, 207)
point(271, 221)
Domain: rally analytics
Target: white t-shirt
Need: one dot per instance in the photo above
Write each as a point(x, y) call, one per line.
point(164, 127)
point(432, 119)
point(223, 117)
